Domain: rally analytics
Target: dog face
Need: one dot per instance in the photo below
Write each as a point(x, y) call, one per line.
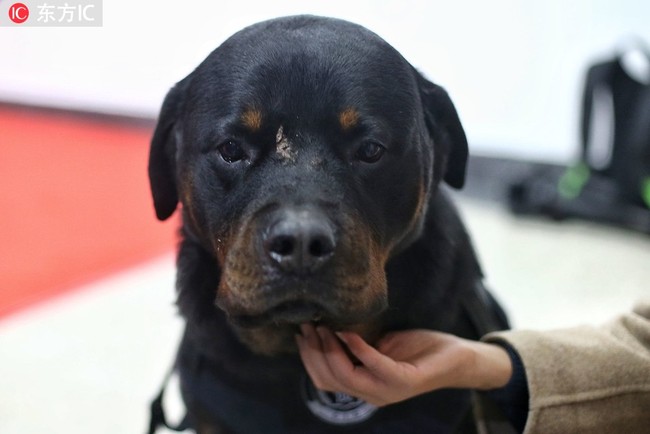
point(304, 151)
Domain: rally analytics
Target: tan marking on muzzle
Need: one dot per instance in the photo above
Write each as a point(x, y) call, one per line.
point(269, 340)
point(359, 279)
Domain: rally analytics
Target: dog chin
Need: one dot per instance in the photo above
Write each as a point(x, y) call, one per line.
point(277, 337)
point(273, 331)
point(288, 313)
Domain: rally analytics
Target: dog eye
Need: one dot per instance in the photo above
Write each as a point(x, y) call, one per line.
point(370, 152)
point(231, 151)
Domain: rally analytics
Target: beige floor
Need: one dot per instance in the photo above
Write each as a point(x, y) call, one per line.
point(90, 362)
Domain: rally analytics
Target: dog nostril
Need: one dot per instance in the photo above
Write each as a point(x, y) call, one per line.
point(321, 247)
point(283, 245)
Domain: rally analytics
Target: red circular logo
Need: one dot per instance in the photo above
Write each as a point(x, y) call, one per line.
point(18, 13)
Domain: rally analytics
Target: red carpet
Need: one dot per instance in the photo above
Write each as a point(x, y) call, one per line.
point(75, 203)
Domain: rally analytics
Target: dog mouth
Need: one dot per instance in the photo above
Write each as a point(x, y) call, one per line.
point(287, 313)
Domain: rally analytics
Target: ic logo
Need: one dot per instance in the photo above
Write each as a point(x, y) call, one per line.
point(18, 13)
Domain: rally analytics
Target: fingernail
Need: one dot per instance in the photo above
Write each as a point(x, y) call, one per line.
point(342, 337)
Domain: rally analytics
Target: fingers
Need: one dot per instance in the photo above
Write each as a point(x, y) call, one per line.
point(374, 361)
point(330, 367)
point(316, 352)
point(406, 364)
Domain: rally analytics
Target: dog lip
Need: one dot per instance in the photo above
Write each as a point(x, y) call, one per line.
point(289, 312)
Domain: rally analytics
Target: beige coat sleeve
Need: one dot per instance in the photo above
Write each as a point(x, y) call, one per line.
point(588, 379)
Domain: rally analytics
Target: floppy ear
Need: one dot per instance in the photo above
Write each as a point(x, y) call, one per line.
point(162, 155)
point(450, 143)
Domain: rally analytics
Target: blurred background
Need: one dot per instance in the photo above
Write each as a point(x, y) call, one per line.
point(87, 322)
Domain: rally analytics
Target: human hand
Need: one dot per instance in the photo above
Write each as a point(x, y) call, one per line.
point(403, 364)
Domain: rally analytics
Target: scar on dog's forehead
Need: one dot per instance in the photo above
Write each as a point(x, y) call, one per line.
point(283, 147)
point(348, 118)
point(252, 119)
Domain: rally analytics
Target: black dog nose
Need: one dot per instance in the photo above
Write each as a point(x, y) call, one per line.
point(300, 241)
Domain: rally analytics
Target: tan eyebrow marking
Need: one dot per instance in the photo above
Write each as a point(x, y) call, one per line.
point(252, 119)
point(348, 118)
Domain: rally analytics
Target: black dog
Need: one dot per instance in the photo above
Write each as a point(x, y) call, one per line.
point(306, 154)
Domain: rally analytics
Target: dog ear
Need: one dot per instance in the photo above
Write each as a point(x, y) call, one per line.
point(162, 154)
point(450, 142)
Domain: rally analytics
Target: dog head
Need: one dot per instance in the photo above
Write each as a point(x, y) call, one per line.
point(304, 151)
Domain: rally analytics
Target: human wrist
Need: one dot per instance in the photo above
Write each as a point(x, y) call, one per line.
point(491, 366)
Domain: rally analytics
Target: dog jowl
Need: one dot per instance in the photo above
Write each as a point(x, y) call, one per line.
point(306, 154)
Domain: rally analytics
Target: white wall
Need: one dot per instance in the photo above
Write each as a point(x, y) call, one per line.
point(514, 68)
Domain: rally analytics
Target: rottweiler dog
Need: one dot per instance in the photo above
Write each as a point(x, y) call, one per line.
point(307, 155)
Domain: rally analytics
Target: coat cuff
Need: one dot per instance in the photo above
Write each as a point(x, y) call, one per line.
point(513, 398)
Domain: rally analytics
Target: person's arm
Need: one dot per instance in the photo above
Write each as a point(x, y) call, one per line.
point(582, 380)
point(403, 365)
point(587, 379)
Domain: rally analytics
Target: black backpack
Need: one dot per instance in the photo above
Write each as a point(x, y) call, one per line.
point(611, 181)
